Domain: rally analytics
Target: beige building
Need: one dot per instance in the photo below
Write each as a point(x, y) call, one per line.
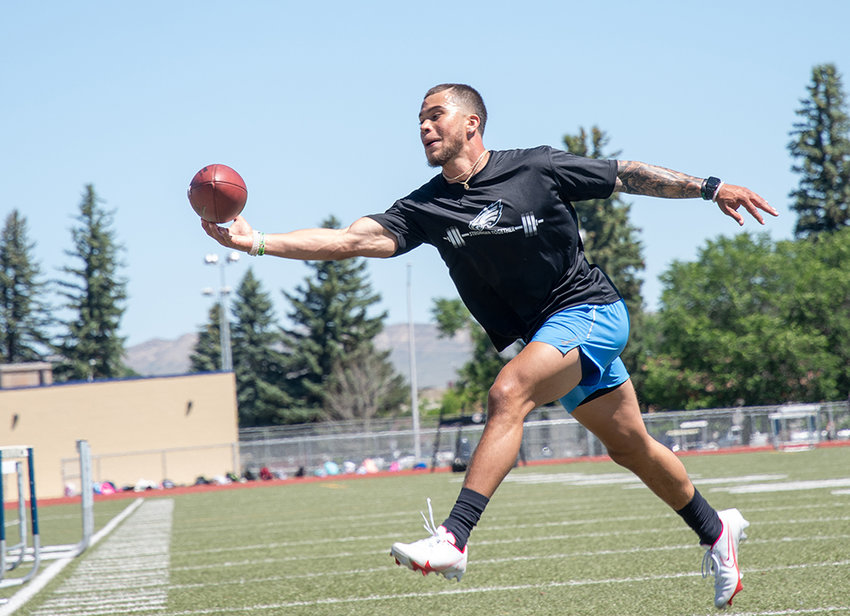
point(149, 429)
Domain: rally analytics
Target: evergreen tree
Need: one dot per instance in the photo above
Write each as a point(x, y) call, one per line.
point(257, 358)
point(821, 146)
point(330, 322)
point(612, 243)
point(24, 316)
point(91, 347)
point(610, 240)
point(206, 355)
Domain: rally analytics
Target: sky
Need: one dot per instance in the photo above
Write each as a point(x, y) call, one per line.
point(315, 105)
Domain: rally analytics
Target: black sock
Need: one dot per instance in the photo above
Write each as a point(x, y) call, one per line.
point(702, 517)
point(465, 515)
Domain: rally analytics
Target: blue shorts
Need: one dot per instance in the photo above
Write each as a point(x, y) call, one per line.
point(600, 332)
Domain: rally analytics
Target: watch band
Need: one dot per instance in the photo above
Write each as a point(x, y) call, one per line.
point(710, 186)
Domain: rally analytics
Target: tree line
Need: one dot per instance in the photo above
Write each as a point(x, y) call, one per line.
point(750, 321)
point(323, 366)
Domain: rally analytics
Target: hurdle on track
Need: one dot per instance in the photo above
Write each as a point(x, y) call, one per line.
point(12, 556)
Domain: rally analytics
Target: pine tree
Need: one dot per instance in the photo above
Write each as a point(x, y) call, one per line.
point(330, 316)
point(206, 355)
point(612, 243)
point(24, 315)
point(91, 347)
point(610, 240)
point(821, 146)
point(257, 357)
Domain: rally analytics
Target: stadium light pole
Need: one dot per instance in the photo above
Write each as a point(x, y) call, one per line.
point(414, 387)
point(224, 326)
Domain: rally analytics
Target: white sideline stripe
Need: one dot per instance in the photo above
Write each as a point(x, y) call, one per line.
point(40, 581)
point(517, 587)
point(142, 544)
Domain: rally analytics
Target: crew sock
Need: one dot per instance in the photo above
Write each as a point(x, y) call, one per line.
point(702, 518)
point(465, 515)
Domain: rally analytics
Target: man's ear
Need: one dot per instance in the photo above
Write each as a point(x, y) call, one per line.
point(472, 124)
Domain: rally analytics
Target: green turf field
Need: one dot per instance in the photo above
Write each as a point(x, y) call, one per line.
point(580, 538)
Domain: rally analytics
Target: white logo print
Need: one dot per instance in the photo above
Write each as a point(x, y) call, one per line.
point(488, 217)
point(485, 223)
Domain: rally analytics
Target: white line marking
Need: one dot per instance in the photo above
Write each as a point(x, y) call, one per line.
point(518, 587)
point(489, 561)
point(41, 580)
point(487, 529)
point(137, 553)
point(789, 486)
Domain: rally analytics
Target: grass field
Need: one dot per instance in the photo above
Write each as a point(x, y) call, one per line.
point(581, 538)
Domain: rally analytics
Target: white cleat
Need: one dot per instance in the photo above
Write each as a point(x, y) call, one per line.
point(721, 559)
point(436, 553)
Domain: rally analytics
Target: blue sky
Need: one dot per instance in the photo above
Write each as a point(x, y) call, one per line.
point(315, 104)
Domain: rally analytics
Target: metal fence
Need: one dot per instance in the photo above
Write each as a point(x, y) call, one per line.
point(550, 433)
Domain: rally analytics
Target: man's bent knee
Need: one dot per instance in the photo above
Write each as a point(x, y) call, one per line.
point(630, 452)
point(507, 401)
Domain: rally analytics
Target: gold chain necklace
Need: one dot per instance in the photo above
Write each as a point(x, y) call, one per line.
point(468, 173)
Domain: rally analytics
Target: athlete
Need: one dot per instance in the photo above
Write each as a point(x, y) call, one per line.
point(504, 224)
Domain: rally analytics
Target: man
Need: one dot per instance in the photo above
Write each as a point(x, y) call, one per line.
point(504, 224)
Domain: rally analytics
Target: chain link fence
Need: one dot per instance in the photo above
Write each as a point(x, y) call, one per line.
point(550, 433)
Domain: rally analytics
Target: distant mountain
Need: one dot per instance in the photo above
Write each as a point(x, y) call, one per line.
point(159, 357)
point(437, 359)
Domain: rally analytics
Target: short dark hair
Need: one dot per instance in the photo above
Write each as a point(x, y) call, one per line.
point(467, 96)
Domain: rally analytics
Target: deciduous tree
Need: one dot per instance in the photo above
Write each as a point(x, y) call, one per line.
point(476, 376)
point(733, 332)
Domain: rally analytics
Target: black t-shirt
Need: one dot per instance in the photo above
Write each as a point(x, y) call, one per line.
point(511, 241)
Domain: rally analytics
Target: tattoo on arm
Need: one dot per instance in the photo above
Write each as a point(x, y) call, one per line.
point(642, 179)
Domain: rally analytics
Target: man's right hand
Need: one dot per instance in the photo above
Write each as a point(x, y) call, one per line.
point(238, 236)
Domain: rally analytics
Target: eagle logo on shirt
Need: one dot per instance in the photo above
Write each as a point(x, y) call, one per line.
point(485, 223)
point(488, 217)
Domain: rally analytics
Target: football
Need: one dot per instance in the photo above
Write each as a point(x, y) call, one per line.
point(217, 193)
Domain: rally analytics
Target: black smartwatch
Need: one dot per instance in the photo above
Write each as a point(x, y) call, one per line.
point(710, 186)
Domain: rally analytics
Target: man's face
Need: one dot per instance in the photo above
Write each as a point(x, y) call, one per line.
point(442, 128)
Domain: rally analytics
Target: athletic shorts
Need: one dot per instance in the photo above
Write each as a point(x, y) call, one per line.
point(600, 332)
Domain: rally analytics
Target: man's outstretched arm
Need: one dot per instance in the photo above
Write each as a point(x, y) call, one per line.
point(638, 178)
point(363, 238)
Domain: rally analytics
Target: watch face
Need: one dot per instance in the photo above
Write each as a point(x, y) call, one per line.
point(711, 186)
